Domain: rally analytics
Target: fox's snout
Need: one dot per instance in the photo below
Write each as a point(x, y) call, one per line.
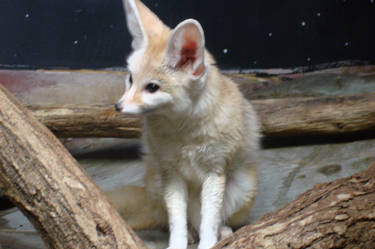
point(143, 98)
point(118, 107)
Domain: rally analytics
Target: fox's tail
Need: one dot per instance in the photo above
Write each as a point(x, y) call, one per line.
point(140, 210)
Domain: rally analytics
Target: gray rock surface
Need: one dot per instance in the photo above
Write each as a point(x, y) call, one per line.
point(103, 87)
point(325, 84)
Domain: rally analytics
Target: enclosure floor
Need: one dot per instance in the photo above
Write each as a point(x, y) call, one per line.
point(284, 173)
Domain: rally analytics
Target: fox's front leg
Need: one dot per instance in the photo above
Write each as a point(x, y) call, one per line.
point(212, 197)
point(175, 195)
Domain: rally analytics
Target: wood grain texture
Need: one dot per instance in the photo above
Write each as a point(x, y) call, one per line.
point(280, 117)
point(87, 121)
point(317, 115)
point(50, 187)
point(339, 214)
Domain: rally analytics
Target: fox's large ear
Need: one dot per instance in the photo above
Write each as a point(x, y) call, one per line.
point(134, 23)
point(185, 48)
point(142, 23)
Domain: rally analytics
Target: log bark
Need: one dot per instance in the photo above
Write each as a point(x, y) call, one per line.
point(41, 178)
point(316, 116)
point(339, 214)
point(87, 121)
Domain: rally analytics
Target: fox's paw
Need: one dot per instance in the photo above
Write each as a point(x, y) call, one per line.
point(178, 244)
point(207, 243)
point(175, 247)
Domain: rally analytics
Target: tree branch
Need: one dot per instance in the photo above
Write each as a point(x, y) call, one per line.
point(50, 187)
point(339, 214)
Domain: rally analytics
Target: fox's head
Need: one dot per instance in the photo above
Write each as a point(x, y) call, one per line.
point(167, 68)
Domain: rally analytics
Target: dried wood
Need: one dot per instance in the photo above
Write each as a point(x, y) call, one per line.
point(316, 116)
point(43, 180)
point(339, 214)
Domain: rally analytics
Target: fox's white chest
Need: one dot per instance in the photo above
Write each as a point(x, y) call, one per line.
point(192, 161)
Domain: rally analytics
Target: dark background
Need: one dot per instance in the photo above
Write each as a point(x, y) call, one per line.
point(242, 34)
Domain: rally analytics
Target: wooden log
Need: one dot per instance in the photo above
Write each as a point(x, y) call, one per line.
point(87, 121)
point(42, 179)
point(339, 214)
point(317, 115)
point(280, 117)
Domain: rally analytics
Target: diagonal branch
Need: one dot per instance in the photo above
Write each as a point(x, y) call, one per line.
point(50, 187)
point(339, 214)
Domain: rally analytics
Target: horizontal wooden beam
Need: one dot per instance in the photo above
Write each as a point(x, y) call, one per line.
point(332, 115)
point(87, 121)
point(279, 117)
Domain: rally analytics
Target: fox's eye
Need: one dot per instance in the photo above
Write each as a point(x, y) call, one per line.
point(152, 87)
point(130, 79)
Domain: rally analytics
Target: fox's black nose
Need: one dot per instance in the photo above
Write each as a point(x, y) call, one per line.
point(117, 107)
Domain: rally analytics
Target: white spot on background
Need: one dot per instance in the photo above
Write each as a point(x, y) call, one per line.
point(225, 50)
point(270, 34)
point(75, 42)
point(346, 44)
point(303, 23)
point(27, 16)
point(308, 59)
point(318, 14)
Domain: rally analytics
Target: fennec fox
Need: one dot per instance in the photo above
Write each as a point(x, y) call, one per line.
point(200, 136)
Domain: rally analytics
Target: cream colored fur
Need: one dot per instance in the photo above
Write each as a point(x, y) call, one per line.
point(200, 136)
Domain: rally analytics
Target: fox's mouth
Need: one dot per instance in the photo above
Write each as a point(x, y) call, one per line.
point(138, 111)
point(149, 111)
